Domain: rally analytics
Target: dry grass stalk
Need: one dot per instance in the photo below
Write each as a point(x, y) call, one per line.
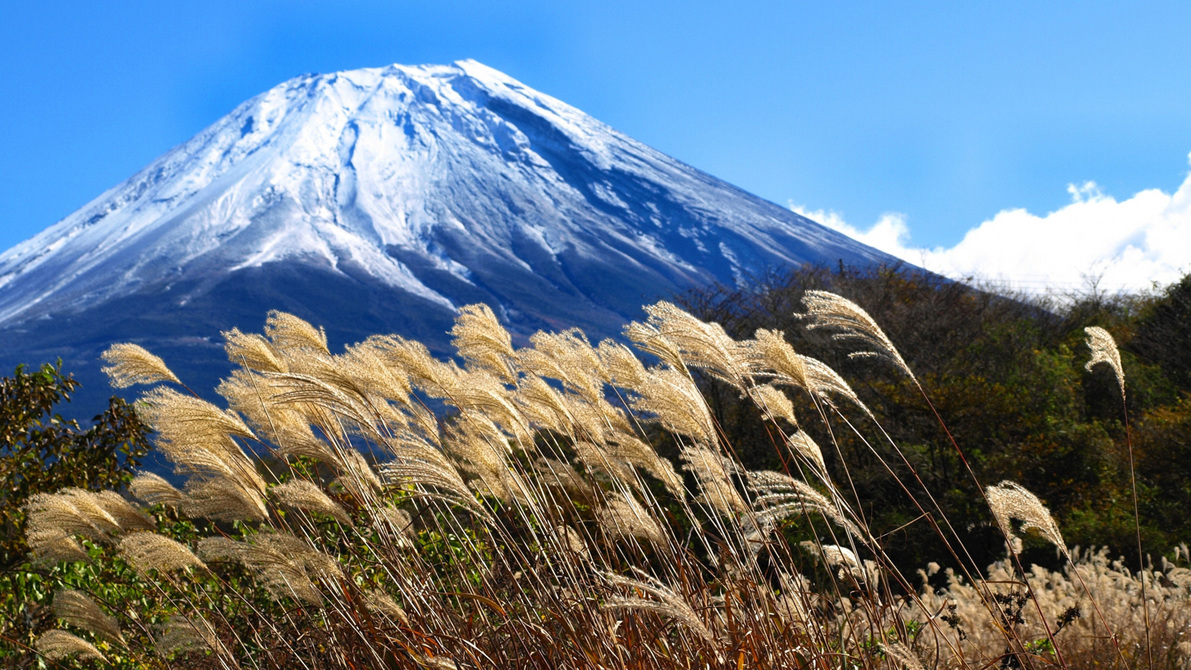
point(527, 544)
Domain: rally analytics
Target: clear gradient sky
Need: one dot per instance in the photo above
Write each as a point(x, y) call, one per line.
point(909, 124)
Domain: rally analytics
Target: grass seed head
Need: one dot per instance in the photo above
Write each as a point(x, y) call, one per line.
point(1104, 350)
point(147, 551)
point(1010, 500)
point(79, 610)
point(130, 364)
point(57, 645)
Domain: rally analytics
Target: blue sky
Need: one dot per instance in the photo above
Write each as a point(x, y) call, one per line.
point(911, 123)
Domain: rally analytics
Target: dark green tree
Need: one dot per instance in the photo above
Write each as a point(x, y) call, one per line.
point(41, 452)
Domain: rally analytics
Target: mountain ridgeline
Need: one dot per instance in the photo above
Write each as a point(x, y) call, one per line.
point(380, 200)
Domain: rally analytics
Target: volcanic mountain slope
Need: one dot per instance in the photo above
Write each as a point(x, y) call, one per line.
point(380, 200)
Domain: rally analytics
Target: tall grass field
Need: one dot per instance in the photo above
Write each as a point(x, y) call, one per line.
point(569, 504)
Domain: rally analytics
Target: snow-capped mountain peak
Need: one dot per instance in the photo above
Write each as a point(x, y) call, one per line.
point(379, 200)
point(393, 173)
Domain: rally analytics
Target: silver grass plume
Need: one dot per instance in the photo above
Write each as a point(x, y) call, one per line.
point(633, 451)
point(80, 611)
point(293, 335)
point(1009, 500)
point(428, 374)
point(184, 633)
point(845, 560)
point(544, 406)
point(358, 477)
point(482, 449)
point(71, 512)
point(48, 548)
point(593, 420)
point(649, 339)
point(567, 357)
point(280, 569)
point(713, 472)
point(222, 499)
point(306, 496)
point(418, 463)
point(770, 353)
point(483, 343)
point(249, 395)
point(780, 496)
point(481, 393)
point(664, 601)
point(319, 401)
point(127, 516)
point(773, 404)
point(571, 542)
point(624, 368)
point(851, 322)
point(131, 364)
point(396, 524)
point(57, 644)
point(701, 345)
point(1104, 350)
point(563, 475)
point(379, 602)
point(252, 351)
point(804, 446)
point(901, 655)
point(622, 517)
point(147, 551)
point(55, 518)
point(197, 437)
point(596, 460)
point(155, 490)
point(672, 397)
point(825, 383)
point(365, 368)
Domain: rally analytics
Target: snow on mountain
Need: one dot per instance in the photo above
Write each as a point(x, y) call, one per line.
point(388, 197)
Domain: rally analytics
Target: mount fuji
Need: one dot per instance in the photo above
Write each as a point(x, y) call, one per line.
point(380, 200)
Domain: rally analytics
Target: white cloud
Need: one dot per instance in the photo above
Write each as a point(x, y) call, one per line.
point(1128, 244)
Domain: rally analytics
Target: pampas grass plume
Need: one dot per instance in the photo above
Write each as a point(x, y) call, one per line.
point(131, 364)
point(57, 644)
